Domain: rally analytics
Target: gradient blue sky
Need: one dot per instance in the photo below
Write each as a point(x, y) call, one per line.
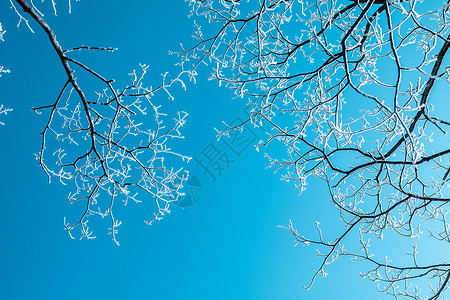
point(227, 246)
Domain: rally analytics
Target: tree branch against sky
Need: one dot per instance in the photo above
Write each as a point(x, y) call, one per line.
point(3, 70)
point(354, 92)
point(103, 140)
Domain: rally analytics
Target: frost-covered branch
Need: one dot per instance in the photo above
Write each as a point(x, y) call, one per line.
point(110, 141)
point(3, 110)
point(355, 92)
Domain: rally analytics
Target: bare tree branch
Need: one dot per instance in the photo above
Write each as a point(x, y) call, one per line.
point(349, 89)
point(103, 140)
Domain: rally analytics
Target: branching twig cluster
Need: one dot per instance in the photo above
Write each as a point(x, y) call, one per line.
point(356, 92)
point(111, 143)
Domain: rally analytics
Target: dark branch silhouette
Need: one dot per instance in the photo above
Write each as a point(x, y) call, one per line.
point(103, 141)
point(349, 89)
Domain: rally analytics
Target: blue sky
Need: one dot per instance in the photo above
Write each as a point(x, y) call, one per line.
point(226, 246)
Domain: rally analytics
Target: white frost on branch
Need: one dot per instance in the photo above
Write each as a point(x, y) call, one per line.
point(2, 32)
point(346, 88)
point(111, 144)
point(3, 110)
